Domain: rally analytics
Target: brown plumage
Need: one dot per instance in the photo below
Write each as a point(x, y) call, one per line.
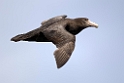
point(60, 31)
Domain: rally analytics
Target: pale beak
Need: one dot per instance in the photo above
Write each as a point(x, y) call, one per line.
point(92, 24)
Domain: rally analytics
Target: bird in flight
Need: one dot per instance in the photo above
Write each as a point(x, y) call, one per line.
point(59, 30)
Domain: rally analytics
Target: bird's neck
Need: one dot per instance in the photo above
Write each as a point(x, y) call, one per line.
point(74, 28)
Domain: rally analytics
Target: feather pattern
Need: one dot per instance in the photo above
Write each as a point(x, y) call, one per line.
point(63, 54)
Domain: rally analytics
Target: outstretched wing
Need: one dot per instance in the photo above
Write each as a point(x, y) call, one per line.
point(64, 41)
point(34, 35)
point(37, 35)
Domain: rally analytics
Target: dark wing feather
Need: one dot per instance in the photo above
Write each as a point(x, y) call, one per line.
point(34, 35)
point(64, 41)
point(37, 35)
point(63, 53)
point(65, 48)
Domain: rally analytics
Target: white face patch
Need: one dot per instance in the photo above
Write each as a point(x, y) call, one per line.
point(92, 24)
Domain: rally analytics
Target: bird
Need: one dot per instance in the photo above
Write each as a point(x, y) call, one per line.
point(61, 31)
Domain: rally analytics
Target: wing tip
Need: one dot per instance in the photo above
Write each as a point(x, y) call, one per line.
point(16, 38)
point(59, 66)
point(13, 39)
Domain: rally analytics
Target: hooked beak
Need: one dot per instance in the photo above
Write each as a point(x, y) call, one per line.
point(92, 24)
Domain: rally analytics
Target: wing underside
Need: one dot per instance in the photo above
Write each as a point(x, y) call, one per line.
point(63, 54)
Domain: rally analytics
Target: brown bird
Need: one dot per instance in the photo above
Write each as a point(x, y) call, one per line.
point(60, 31)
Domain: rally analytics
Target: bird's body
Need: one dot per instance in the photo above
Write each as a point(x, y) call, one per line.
point(60, 31)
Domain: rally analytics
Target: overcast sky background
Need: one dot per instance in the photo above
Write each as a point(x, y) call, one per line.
point(97, 58)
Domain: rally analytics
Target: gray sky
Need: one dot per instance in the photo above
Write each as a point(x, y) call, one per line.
point(97, 58)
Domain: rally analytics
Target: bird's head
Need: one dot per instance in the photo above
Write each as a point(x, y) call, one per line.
point(85, 22)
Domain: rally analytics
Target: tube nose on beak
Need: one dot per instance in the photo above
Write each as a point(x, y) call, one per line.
point(92, 24)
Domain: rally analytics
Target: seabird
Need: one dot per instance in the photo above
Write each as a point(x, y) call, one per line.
point(61, 32)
